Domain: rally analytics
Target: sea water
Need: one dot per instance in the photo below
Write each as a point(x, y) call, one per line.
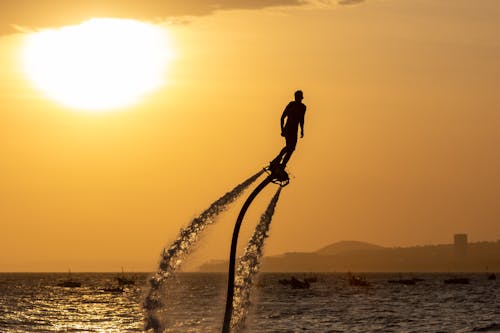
point(35, 303)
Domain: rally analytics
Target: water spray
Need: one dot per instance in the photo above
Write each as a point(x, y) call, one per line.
point(172, 256)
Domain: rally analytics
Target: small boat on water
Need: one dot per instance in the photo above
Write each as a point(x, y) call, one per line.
point(407, 282)
point(123, 280)
point(457, 280)
point(69, 283)
point(359, 281)
point(492, 277)
point(295, 283)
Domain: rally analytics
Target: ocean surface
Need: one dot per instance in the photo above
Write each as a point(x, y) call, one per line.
point(194, 302)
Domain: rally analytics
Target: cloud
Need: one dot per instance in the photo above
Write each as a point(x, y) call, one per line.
point(37, 14)
point(349, 2)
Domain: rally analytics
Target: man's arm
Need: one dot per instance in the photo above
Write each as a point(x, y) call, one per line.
point(301, 123)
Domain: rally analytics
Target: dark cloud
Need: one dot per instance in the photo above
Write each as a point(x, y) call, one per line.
point(54, 13)
point(350, 2)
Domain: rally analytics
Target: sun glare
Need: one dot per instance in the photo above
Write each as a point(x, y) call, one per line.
point(101, 64)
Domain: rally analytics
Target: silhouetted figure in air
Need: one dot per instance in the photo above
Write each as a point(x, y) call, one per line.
point(294, 115)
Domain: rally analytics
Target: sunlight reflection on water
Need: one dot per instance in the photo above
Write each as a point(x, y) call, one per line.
point(34, 303)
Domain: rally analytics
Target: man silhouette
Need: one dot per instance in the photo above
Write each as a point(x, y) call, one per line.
point(294, 115)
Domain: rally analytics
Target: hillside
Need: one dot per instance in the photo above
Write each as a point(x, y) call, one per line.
point(358, 256)
point(346, 246)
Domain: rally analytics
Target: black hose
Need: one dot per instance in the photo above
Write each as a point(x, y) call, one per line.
point(226, 327)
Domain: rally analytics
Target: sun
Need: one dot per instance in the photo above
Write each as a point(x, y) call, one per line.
point(99, 65)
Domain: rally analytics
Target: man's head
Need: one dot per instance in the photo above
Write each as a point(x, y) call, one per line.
point(299, 96)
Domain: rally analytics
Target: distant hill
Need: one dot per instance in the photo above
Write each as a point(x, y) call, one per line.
point(346, 246)
point(364, 257)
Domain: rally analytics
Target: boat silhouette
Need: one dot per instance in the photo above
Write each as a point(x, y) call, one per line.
point(69, 283)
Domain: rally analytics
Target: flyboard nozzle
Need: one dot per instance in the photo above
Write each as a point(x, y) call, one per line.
point(278, 175)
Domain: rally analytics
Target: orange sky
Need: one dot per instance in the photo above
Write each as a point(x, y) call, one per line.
point(400, 148)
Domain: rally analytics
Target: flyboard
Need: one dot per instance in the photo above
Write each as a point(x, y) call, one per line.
point(275, 174)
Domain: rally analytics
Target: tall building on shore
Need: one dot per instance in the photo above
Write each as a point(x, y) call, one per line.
point(460, 245)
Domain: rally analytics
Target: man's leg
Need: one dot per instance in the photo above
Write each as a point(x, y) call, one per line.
point(277, 159)
point(291, 142)
point(288, 154)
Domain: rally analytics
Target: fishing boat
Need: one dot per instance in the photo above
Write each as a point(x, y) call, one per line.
point(457, 280)
point(407, 282)
point(69, 283)
point(295, 283)
point(355, 280)
point(123, 280)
